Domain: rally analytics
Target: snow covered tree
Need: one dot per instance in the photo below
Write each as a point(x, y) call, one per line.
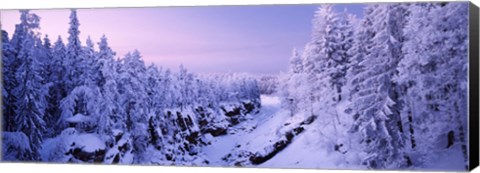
point(341, 35)
point(291, 83)
point(268, 84)
point(154, 105)
point(131, 86)
point(57, 90)
point(75, 60)
point(105, 76)
point(82, 109)
point(44, 54)
point(374, 103)
point(131, 80)
point(315, 58)
point(184, 82)
point(103, 64)
point(90, 60)
point(434, 76)
point(8, 73)
point(22, 31)
point(29, 93)
point(324, 60)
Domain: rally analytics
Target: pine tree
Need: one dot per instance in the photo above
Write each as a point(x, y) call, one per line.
point(103, 65)
point(291, 82)
point(75, 62)
point(30, 93)
point(90, 60)
point(373, 93)
point(22, 31)
point(154, 104)
point(8, 75)
point(105, 76)
point(338, 53)
point(57, 90)
point(132, 88)
point(322, 57)
point(45, 57)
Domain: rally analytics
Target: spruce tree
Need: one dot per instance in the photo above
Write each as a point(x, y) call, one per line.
point(373, 91)
point(29, 93)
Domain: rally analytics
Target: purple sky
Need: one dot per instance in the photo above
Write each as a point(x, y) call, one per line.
point(254, 39)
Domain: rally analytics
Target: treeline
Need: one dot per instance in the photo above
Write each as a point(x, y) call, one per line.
point(63, 90)
point(268, 84)
point(402, 68)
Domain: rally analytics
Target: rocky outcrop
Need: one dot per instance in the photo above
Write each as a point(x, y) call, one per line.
point(242, 157)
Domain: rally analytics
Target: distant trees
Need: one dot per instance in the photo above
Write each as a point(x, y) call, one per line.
point(401, 69)
point(268, 84)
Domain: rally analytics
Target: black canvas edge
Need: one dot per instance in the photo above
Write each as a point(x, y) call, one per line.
point(473, 87)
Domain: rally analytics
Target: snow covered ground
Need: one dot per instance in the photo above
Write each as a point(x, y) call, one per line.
point(258, 126)
point(307, 150)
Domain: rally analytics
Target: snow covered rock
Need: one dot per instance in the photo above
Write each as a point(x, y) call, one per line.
point(121, 152)
point(15, 146)
point(237, 112)
point(87, 148)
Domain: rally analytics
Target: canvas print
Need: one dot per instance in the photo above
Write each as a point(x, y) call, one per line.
point(379, 86)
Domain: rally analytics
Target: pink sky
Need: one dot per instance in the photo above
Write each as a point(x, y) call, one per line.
point(255, 39)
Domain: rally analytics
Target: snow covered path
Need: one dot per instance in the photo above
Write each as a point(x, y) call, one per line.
point(245, 133)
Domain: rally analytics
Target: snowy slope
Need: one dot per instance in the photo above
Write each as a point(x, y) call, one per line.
point(315, 148)
point(258, 134)
point(258, 126)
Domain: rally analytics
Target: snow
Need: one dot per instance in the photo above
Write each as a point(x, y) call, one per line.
point(311, 149)
point(247, 133)
point(17, 140)
point(89, 142)
point(14, 146)
point(449, 160)
point(270, 100)
point(305, 151)
point(54, 149)
point(78, 118)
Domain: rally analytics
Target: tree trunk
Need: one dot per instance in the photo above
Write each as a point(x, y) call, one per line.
point(410, 130)
point(461, 135)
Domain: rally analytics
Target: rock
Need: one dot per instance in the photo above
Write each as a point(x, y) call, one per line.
point(235, 112)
